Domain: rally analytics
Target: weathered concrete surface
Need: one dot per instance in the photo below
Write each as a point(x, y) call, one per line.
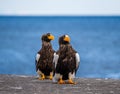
point(11, 84)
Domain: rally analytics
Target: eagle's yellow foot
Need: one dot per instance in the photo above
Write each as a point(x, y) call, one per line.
point(42, 77)
point(50, 77)
point(61, 81)
point(70, 81)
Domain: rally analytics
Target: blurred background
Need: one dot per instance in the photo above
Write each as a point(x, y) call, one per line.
point(93, 25)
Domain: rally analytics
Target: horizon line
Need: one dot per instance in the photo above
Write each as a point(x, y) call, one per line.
point(56, 15)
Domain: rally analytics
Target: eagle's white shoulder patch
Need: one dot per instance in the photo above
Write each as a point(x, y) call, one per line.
point(77, 59)
point(55, 59)
point(37, 57)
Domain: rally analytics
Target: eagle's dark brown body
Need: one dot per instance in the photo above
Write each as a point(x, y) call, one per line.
point(45, 63)
point(66, 62)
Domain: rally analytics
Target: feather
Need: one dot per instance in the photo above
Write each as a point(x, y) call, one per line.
point(77, 57)
point(37, 57)
point(55, 59)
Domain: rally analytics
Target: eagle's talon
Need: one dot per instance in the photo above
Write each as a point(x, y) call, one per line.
point(71, 82)
point(61, 82)
point(51, 77)
point(42, 77)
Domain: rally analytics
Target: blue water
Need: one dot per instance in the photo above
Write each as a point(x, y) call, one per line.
point(97, 40)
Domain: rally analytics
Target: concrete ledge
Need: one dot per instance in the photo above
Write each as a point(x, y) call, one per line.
point(13, 84)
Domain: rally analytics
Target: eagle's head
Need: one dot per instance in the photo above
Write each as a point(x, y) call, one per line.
point(65, 39)
point(47, 37)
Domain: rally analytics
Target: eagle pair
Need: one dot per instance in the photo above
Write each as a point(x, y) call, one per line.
point(60, 65)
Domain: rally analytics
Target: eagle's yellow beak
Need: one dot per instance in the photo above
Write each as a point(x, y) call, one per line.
point(51, 37)
point(67, 38)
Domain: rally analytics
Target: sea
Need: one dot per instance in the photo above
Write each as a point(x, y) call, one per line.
point(95, 38)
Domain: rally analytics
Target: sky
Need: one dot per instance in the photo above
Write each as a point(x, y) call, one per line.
point(59, 7)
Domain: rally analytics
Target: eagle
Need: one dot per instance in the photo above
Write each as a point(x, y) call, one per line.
point(66, 61)
point(44, 58)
